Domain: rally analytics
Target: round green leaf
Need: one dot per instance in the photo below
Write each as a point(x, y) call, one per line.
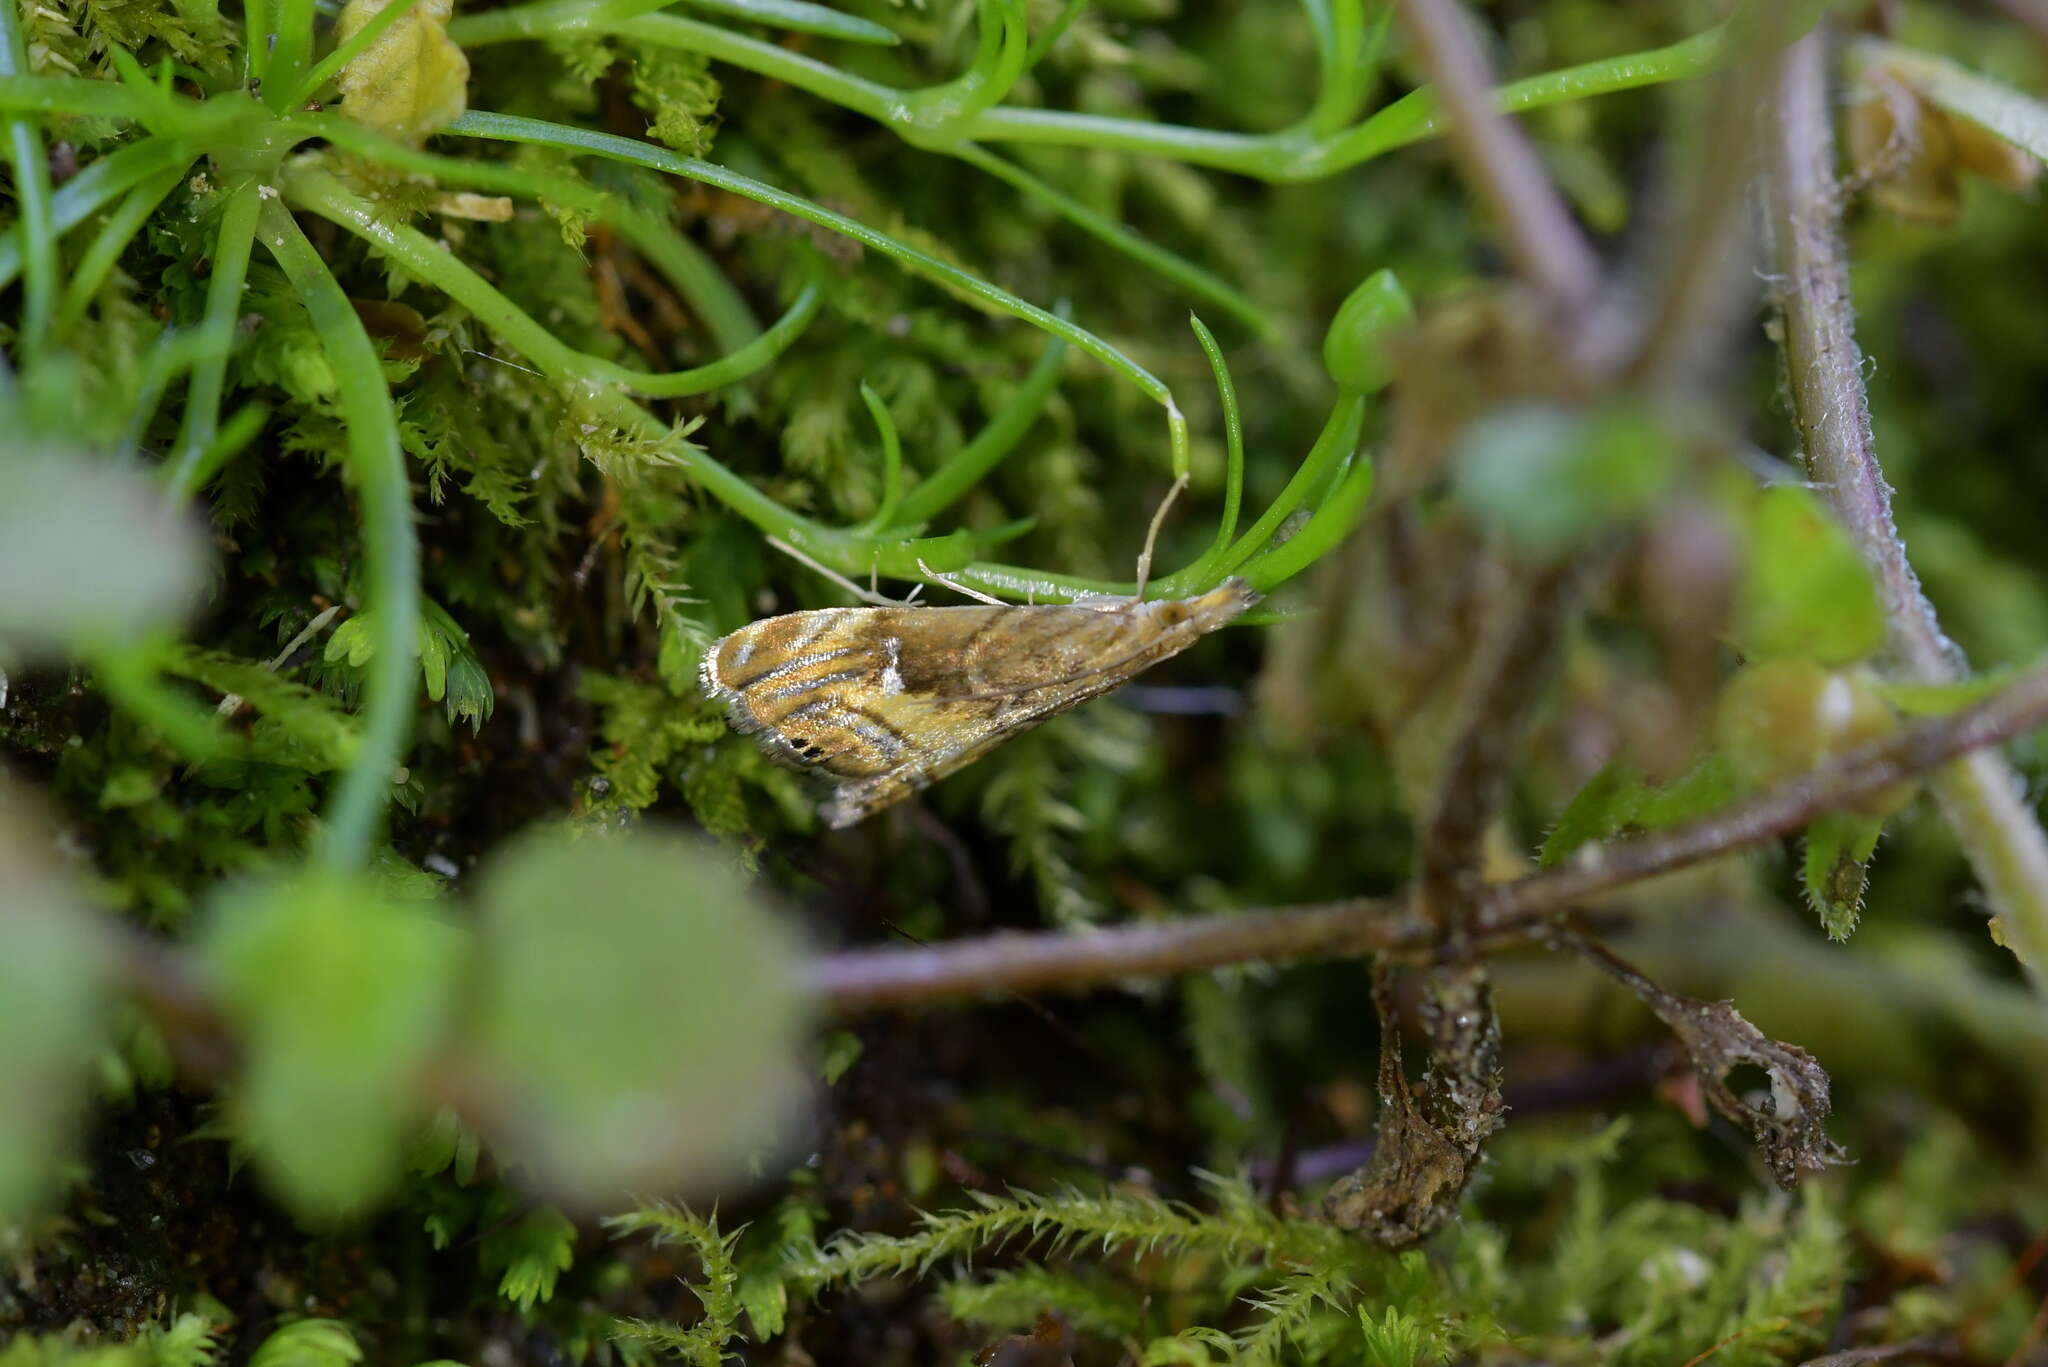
point(1550, 476)
point(88, 553)
point(639, 1014)
point(340, 995)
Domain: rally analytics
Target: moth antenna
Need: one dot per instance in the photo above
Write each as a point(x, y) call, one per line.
point(950, 582)
point(877, 599)
point(1180, 482)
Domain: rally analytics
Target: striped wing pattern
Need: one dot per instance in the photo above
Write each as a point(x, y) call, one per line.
point(886, 700)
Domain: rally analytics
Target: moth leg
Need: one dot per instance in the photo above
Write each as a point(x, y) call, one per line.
point(1152, 534)
point(866, 596)
point(976, 594)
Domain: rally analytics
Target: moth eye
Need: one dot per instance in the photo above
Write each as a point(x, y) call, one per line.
point(1172, 614)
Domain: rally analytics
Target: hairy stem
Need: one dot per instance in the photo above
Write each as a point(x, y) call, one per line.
point(1981, 795)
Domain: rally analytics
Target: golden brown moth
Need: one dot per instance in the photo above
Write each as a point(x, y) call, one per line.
point(886, 700)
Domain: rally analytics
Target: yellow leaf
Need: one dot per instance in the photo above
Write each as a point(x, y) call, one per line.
point(413, 81)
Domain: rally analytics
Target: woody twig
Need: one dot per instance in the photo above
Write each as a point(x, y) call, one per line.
point(859, 981)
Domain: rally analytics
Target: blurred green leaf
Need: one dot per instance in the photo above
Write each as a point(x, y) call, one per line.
point(842, 1051)
point(308, 1343)
point(1939, 699)
point(52, 975)
point(1806, 594)
point(1550, 476)
point(639, 1012)
point(90, 558)
point(339, 996)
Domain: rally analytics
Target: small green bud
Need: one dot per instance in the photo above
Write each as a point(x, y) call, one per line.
point(1355, 347)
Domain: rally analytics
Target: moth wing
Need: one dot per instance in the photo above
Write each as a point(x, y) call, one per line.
point(993, 677)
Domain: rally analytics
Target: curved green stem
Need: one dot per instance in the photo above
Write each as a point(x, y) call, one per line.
point(693, 274)
point(509, 128)
point(72, 95)
point(31, 194)
point(1289, 154)
point(436, 265)
point(231, 248)
point(798, 16)
point(1171, 265)
point(128, 676)
point(1336, 518)
point(97, 261)
point(964, 468)
point(1339, 436)
point(390, 546)
point(1001, 58)
point(892, 457)
point(1056, 30)
point(291, 53)
point(174, 353)
point(92, 189)
point(1233, 437)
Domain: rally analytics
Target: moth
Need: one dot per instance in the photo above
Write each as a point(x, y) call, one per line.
point(887, 700)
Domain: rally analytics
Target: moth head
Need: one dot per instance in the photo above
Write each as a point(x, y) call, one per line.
point(1206, 612)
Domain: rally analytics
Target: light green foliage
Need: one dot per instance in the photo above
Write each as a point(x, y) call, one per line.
point(587, 532)
point(1024, 802)
point(767, 1250)
point(342, 995)
point(295, 726)
point(529, 1254)
point(308, 1343)
point(1087, 1296)
point(449, 668)
point(1551, 477)
point(646, 732)
point(1396, 1339)
point(610, 965)
point(187, 1341)
point(1805, 593)
point(703, 1343)
point(678, 93)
